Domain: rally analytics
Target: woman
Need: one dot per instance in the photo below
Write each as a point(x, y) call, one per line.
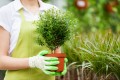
point(19, 54)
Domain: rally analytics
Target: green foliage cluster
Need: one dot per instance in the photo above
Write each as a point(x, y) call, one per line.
point(54, 28)
point(97, 51)
point(99, 48)
point(45, 0)
point(96, 17)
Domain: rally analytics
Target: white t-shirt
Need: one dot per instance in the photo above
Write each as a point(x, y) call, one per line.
point(10, 19)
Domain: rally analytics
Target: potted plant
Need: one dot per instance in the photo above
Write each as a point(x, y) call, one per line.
point(109, 5)
point(81, 4)
point(54, 29)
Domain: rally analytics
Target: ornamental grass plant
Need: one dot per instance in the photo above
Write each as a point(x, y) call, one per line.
point(96, 16)
point(99, 52)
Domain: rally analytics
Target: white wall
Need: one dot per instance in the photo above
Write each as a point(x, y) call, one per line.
point(4, 2)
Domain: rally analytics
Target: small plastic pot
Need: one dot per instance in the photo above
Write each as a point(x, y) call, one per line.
point(61, 57)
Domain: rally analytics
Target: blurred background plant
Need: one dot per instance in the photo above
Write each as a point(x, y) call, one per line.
point(45, 0)
point(96, 14)
point(99, 52)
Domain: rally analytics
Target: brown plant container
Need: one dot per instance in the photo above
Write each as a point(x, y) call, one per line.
point(109, 6)
point(81, 7)
point(61, 58)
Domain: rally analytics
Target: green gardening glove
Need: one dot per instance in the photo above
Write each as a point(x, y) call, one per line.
point(46, 64)
point(64, 71)
point(52, 72)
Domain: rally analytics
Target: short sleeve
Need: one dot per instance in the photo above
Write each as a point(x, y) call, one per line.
point(4, 22)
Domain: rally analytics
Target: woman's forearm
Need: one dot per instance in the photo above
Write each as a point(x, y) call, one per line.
point(9, 63)
point(6, 62)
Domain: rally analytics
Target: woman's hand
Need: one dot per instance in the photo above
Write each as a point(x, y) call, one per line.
point(58, 50)
point(64, 71)
point(46, 64)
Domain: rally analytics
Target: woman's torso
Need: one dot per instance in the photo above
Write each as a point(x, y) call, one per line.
point(22, 46)
point(10, 19)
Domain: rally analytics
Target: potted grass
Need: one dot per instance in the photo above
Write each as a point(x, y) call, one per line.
point(54, 28)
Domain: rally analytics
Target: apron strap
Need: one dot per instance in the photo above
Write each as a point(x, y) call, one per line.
point(22, 14)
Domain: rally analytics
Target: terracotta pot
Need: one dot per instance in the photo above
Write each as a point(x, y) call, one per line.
point(61, 57)
point(109, 6)
point(81, 4)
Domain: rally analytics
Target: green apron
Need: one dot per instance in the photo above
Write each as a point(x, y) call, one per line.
point(27, 47)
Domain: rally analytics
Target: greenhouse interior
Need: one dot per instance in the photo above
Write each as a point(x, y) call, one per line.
point(93, 51)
